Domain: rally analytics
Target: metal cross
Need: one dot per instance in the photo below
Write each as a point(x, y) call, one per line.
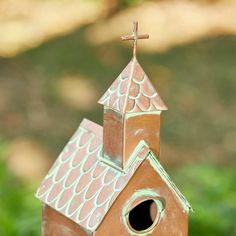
point(135, 36)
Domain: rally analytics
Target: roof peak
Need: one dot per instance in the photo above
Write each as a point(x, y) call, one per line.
point(132, 91)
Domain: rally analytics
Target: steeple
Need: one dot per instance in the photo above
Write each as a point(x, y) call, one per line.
point(132, 109)
point(132, 92)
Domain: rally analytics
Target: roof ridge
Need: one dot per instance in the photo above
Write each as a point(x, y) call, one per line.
point(164, 175)
point(133, 61)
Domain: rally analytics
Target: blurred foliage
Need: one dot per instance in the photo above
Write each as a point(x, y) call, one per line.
point(129, 3)
point(212, 193)
point(20, 213)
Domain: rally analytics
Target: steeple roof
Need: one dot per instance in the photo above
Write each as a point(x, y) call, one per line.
point(132, 91)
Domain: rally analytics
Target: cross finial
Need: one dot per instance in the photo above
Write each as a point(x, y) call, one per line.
point(135, 36)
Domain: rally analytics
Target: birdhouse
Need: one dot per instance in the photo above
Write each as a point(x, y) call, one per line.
point(108, 180)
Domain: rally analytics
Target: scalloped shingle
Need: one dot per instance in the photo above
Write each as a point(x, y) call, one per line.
point(79, 185)
point(132, 91)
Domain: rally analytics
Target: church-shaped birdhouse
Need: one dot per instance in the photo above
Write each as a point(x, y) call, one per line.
point(108, 181)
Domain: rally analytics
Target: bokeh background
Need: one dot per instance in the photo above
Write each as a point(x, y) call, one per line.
point(59, 56)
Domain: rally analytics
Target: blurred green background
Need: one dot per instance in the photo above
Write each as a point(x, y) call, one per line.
point(58, 57)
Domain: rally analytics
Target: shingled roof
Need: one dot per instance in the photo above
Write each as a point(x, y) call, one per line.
point(132, 91)
point(82, 187)
point(79, 185)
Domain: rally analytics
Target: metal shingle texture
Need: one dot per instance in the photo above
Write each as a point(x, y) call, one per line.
point(79, 185)
point(132, 91)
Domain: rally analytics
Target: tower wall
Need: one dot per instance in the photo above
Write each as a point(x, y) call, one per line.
point(122, 133)
point(141, 126)
point(113, 132)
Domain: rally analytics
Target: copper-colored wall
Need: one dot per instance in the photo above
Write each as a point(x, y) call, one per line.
point(142, 127)
point(121, 135)
point(174, 221)
point(113, 135)
point(55, 224)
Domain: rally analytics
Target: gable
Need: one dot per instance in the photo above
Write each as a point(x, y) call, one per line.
point(146, 183)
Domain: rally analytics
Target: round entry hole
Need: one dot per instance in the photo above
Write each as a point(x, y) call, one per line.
point(143, 216)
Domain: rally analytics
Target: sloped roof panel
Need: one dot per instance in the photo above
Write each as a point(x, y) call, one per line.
point(132, 91)
point(79, 185)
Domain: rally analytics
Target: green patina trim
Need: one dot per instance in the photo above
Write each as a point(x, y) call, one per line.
point(163, 174)
point(107, 159)
point(133, 114)
point(143, 195)
point(134, 154)
point(106, 109)
point(129, 115)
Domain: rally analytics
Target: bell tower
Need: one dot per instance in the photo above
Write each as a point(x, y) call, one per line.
point(132, 110)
